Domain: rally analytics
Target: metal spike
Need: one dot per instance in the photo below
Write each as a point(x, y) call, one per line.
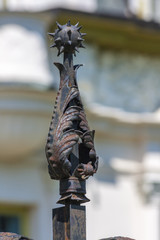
point(79, 28)
point(52, 46)
point(83, 34)
point(69, 34)
point(70, 42)
point(80, 39)
point(51, 34)
point(58, 53)
point(69, 23)
point(82, 46)
point(76, 49)
point(60, 50)
point(77, 24)
point(57, 39)
point(59, 26)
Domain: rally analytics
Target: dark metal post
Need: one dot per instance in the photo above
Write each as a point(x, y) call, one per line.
point(70, 146)
point(69, 222)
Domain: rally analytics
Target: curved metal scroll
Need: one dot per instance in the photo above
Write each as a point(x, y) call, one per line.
point(70, 146)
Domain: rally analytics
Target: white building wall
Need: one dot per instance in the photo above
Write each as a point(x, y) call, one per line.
point(24, 58)
point(28, 5)
point(145, 9)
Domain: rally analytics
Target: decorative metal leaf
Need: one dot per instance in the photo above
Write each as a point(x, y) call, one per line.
point(69, 126)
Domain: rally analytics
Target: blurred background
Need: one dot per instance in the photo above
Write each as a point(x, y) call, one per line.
point(119, 85)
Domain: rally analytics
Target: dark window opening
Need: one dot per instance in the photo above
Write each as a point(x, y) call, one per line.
point(9, 224)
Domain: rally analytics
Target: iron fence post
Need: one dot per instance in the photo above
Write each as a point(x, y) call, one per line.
point(69, 222)
point(70, 145)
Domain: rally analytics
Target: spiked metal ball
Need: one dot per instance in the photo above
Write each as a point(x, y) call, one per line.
point(67, 38)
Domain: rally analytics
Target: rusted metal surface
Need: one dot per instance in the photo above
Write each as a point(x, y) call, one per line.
point(70, 146)
point(69, 223)
point(73, 190)
point(11, 236)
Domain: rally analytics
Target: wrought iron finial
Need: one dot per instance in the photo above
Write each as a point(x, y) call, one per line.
point(70, 146)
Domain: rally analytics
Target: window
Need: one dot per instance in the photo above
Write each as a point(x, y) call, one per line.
point(113, 6)
point(9, 224)
point(156, 10)
point(14, 219)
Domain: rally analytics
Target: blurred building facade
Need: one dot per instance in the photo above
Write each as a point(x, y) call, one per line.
point(119, 85)
point(145, 9)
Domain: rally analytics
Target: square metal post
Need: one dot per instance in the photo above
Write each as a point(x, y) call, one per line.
point(69, 222)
